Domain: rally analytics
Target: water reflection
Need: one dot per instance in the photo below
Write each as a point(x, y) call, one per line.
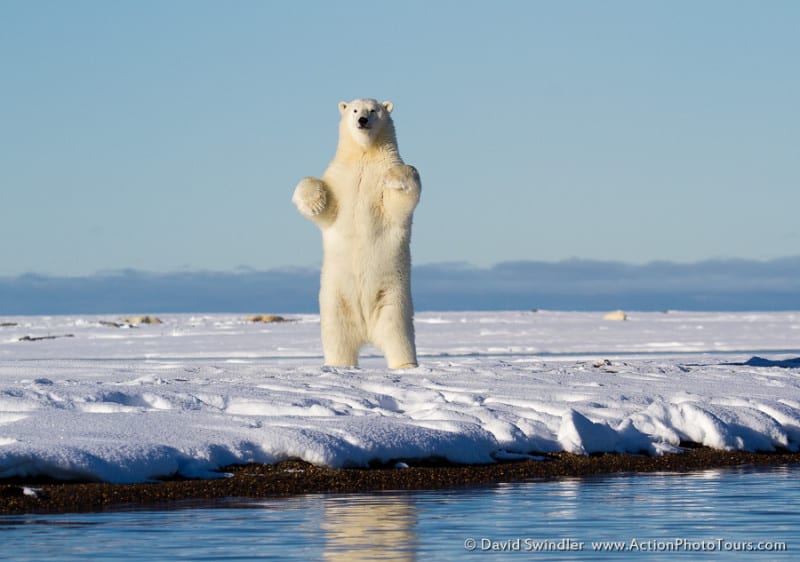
point(737, 506)
point(380, 527)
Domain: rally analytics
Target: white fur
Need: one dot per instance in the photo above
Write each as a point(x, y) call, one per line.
point(363, 205)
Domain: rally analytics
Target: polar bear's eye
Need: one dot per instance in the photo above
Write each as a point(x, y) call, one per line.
point(372, 111)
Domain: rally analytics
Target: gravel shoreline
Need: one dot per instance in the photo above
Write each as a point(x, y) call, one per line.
point(19, 496)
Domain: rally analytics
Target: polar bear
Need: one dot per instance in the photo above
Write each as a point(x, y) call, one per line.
point(363, 205)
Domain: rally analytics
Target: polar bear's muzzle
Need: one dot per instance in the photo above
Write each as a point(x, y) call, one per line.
point(363, 123)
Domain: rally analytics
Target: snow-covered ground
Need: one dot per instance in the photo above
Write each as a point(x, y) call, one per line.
point(199, 392)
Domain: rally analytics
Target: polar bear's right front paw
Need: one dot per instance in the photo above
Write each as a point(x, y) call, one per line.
point(309, 197)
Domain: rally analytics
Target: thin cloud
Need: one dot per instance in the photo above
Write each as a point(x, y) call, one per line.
point(518, 285)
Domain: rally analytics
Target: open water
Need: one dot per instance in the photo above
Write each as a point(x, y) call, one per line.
point(715, 515)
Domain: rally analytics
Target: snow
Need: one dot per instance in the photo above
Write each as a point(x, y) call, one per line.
point(80, 398)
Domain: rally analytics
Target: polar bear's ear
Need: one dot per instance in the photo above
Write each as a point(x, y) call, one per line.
point(388, 106)
point(342, 106)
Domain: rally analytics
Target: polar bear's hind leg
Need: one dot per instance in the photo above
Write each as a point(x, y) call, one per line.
point(393, 334)
point(341, 340)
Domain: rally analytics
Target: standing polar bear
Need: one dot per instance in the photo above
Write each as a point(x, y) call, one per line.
point(363, 205)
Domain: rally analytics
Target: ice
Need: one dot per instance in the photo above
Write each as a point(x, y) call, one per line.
point(83, 399)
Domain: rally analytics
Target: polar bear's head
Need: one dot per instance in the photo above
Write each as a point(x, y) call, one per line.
point(366, 120)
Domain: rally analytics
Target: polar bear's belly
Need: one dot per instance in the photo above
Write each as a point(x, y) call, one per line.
point(363, 250)
point(364, 254)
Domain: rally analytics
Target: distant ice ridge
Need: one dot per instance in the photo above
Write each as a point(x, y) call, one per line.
point(199, 392)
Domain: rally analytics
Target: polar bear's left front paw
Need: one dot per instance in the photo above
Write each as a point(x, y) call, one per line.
point(405, 178)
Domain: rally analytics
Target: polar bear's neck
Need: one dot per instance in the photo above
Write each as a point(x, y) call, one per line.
point(382, 147)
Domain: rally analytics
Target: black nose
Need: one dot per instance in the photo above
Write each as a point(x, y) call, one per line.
point(363, 121)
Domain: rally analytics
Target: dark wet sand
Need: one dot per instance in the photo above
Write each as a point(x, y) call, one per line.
point(296, 477)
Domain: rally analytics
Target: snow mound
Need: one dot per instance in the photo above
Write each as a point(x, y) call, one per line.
point(195, 393)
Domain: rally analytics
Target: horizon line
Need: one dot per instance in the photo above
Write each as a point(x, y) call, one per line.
point(460, 264)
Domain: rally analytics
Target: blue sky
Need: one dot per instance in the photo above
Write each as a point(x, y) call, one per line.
point(169, 135)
